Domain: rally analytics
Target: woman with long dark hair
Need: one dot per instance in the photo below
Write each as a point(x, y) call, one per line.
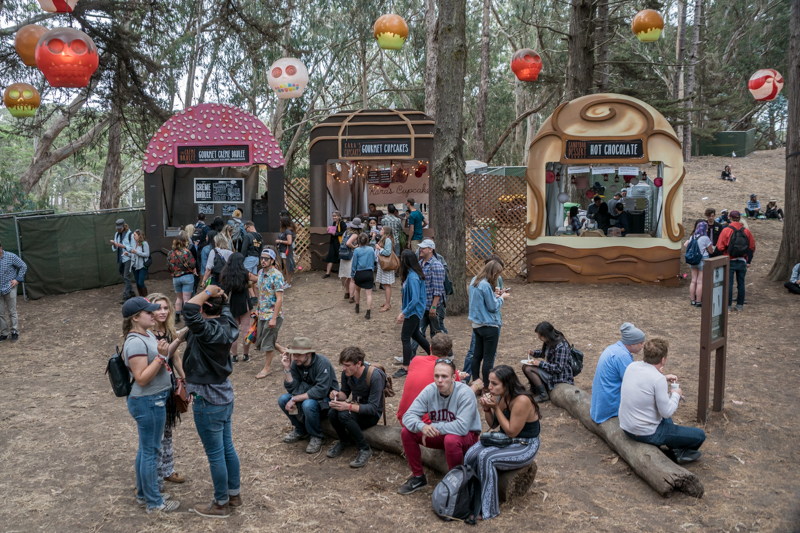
point(210, 236)
point(573, 221)
point(286, 250)
point(336, 231)
point(550, 365)
point(414, 301)
point(485, 299)
point(234, 280)
point(513, 410)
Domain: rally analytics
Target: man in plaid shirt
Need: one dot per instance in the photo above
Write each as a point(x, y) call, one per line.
point(434, 272)
point(12, 273)
point(396, 224)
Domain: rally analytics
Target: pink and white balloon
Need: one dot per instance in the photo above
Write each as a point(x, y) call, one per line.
point(765, 84)
point(288, 77)
point(58, 6)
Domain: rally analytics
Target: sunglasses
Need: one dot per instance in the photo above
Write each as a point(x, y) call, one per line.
point(445, 360)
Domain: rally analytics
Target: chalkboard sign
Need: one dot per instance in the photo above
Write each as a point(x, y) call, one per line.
point(260, 215)
point(219, 191)
point(376, 177)
point(206, 209)
point(228, 209)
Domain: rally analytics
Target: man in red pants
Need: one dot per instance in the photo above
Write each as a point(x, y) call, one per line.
point(455, 424)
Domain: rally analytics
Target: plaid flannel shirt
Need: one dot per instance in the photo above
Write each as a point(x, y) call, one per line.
point(434, 280)
point(11, 268)
point(558, 363)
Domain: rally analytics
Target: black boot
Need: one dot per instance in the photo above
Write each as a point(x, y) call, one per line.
point(541, 394)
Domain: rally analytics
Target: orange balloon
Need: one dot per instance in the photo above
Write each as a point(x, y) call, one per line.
point(25, 42)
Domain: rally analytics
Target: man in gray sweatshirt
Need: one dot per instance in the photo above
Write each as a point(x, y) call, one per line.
point(455, 423)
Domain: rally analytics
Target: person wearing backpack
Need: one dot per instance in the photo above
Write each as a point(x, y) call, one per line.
point(366, 384)
point(433, 266)
point(698, 248)
point(513, 410)
point(738, 243)
point(550, 365)
point(237, 236)
point(252, 244)
point(217, 259)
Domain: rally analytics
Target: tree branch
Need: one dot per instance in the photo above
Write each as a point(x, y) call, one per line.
point(516, 123)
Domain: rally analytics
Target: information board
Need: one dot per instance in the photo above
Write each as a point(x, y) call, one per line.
point(219, 190)
point(370, 148)
point(378, 176)
point(717, 303)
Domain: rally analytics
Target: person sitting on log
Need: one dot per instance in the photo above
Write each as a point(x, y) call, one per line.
point(610, 369)
point(514, 411)
point(455, 423)
point(550, 365)
point(349, 419)
point(646, 406)
point(308, 378)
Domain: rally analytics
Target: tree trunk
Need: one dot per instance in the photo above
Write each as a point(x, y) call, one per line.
point(193, 60)
point(519, 108)
point(431, 54)
point(483, 89)
point(646, 460)
point(364, 78)
point(580, 57)
point(603, 35)
point(789, 252)
point(109, 189)
point(448, 180)
point(689, 104)
point(772, 137)
point(680, 47)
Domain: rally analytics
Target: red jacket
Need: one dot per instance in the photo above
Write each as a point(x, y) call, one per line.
point(725, 237)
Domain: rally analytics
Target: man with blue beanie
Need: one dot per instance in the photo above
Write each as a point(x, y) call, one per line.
point(610, 369)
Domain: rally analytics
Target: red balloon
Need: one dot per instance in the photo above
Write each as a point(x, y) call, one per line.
point(549, 176)
point(526, 64)
point(418, 173)
point(658, 182)
point(589, 194)
point(67, 57)
point(422, 167)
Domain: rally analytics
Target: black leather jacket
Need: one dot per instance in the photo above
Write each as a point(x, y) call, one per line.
point(208, 345)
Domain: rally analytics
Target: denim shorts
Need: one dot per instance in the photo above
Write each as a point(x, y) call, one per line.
point(251, 264)
point(183, 283)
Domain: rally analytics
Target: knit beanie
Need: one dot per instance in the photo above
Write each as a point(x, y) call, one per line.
point(630, 334)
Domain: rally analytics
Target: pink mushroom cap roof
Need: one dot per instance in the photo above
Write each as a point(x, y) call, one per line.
point(213, 125)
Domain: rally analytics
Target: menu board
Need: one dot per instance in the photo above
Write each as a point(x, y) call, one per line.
point(206, 209)
point(378, 176)
point(219, 191)
point(228, 209)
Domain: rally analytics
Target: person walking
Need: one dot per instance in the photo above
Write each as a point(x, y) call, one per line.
point(122, 240)
point(393, 221)
point(413, 290)
point(216, 259)
point(336, 231)
point(270, 309)
point(286, 249)
point(12, 273)
point(181, 266)
point(385, 277)
point(139, 253)
point(362, 273)
point(706, 248)
point(434, 271)
point(738, 243)
point(147, 361)
point(484, 312)
point(235, 280)
point(349, 243)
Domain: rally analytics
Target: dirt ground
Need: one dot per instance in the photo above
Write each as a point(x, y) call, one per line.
point(67, 445)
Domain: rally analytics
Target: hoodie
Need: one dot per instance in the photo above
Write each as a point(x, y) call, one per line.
point(456, 414)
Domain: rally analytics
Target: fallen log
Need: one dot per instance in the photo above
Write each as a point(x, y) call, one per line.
point(511, 484)
point(648, 461)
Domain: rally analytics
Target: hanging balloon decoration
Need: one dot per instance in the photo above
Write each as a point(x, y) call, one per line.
point(634, 180)
point(658, 182)
point(400, 175)
point(67, 57)
point(288, 78)
point(613, 188)
point(549, 176)
point(58, 6)
point(627, 179)
point(25, 42)
point(563, 197)
point(390, 31)
point(647, 25)
point(582, 182)
point(21, 99)
point(765, 84)
point(422, 167)
point(605, 177)
point(526, 64)
point(589, 194)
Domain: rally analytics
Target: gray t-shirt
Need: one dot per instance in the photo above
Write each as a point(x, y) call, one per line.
point(138, 345)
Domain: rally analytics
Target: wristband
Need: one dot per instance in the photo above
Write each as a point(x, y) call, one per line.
point(351, 408)
point(433, 308)
point(209, 294)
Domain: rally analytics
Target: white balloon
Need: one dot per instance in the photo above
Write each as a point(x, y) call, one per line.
point(288, 78)
point(563, 197)
point(634, 181)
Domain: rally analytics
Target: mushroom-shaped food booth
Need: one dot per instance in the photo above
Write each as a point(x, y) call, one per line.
point(25, 42)
point(67, 57)
point(526, 64)
point(613, 134)
point(288, 77)
point(647, 25)
point(390, 31)
point(765, 84)
point(58, 6)
point(205, 160)
point(21, 99)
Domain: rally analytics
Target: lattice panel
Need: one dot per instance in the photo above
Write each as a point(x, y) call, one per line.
point(496, 209)
point(298, 203)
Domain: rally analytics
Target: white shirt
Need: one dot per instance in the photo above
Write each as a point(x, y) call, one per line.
point(644, 399)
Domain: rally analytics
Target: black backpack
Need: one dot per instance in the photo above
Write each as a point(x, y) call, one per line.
point(458, 495)
point(448, 285)
point(575, 360)
point(119, 375)
point(199, 237)
point(739, 246)
point(216, 268)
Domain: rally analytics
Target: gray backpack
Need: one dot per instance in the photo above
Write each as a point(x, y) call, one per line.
point(458, 495)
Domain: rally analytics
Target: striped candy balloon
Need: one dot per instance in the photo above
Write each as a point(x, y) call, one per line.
point(765, 84)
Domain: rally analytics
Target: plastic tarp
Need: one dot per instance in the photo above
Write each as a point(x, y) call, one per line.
point(67, 253)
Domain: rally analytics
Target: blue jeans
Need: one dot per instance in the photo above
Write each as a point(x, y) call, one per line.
point(150, 413)
point(468, 358)
point(213, 424)
point(183, 283)
point(739, 269)
point(307, 418)
point(436, 325)
point(139, 276)
point(677, 438)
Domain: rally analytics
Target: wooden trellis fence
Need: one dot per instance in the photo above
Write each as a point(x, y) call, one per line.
point(298, 203)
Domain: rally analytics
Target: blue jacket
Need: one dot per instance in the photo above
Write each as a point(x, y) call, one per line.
point(363, 259)
point(484, 306)
point(795, 273)
point(607, 382)
point(414, 296)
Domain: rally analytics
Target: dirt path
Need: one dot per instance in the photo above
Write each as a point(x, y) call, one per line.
point(67, 445)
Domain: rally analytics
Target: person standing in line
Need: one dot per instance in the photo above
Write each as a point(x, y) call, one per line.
point(216, 259)
point(147, 361)
point(753, 209)
point(12, 273)
point(413, 290)
point(207, 250)
point(623, 219)
point(270, 309)
point(362, 273)
point(484, 312)
point(122, 240)
point(350, 240)
point(196, 252)
point(793, 285)
point(415, 223)
point(386, 278)
point(207, 362)
point(237, 233)
point(706, 248)
point(139, 253)
point(235, 280)
point(181, 266)
point(286, 250)
point(251, 245)
point(738, 244)
point(396, 225)
point(610, 370)
point(164, 329)
point(336, 230)
point(434, 272)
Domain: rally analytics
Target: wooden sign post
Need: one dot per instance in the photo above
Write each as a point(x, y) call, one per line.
point(713, 334)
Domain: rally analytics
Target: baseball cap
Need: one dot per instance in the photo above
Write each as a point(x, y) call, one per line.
point(269, 252)
point(120, 223)
point(735, 214)
point(427, 243)
point(752, 196)
point(137, 304)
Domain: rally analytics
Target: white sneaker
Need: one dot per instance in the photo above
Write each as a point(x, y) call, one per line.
point(286, 286)
point(166, 507)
